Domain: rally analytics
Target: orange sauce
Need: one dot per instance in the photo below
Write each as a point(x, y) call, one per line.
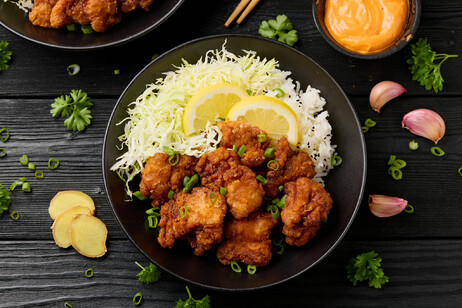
point(366, 26)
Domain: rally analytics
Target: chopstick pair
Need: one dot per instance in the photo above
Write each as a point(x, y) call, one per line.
point(243, 4)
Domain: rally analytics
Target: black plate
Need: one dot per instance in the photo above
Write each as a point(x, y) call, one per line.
point(133, 25)
point(345, 183)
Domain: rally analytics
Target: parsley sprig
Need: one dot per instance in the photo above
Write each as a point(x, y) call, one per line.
point(76, 106)
point(366, 266)
point(193, 303)
point(5, 55)
point(148, 274)
point(423, 66)
point(280, 28)
point(5, 199)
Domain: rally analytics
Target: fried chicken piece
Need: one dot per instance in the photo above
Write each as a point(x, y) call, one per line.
point(159, 176)
point(130, 5)
point(306, 205)
point(222, 168)
point(248, 240)
point(40, 13)
point(240, 133)
point(202, 225)
point(291, 166)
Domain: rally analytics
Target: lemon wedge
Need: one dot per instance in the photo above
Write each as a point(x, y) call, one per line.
point(268, 113)
point(209, 104)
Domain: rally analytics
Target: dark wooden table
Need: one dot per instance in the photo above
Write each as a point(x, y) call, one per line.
point(422, 253)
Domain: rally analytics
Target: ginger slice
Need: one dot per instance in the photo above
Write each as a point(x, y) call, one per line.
point(61, 225)
point(88, 235)
point(64, 200)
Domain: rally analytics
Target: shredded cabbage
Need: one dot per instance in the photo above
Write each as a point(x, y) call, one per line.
point(25, 5)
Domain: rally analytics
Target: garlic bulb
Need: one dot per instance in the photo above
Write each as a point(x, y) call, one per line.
point(383, 92)
point(425, 123)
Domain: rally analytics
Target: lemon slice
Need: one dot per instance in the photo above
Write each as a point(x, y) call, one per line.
point(209, 104)
point(268, 113)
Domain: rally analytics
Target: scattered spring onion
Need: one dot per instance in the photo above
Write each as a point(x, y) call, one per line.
point(437, 151)
point(4, 129)
point(273, 162)
point(274, 212)
point(399, 163)
point(168, 151)
point(279, 249)
point(38, 174)
point(365, 129)
point(391, 160)
point(213, 198)
point(31, 166)
point(241, 150)
point(251, 269)
point(116, 72)
point(67, 305)
point(249, 92)
point(224, 191)
point(409, 209)
point(278, 240)
point(71, 27)
point(153, 211)
point(395, 173)
point(137, 298)
point(413, 145)
point(153, 221)
point(139, 195)
point(184, 211)
point(261, 179)
point(53, 163)
point(24, 160)
point(15, 215)
point(192, 182)
point(86, 29)
point(281, 188)
point(370, 123)
point(171, 160)
point(460, 171)
point(73, 69)
point(335, 161)
point(2, 152)
point(235, 267)
point(234, 147)
point(262, 137)
point(170, 194)
point(269, 153)
point(26, 187)
point(280, 94)
point(89, 273)
point(186, 179)
point(154, 56)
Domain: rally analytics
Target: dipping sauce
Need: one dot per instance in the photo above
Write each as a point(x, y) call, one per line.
point(366, 26)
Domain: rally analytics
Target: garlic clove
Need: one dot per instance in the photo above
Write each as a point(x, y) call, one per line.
point(425, 123)
point(384, 206)
point(383, 92)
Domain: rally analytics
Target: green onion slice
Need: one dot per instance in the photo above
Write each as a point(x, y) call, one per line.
point(399, 163)
point(460, 171)
point(413, 145)
point(281, 188)
point(192, 182)
point(262, 137)
point(24, 160)
point(73, 69)
point(2, 152)
point(365, 129)
point(235, 266)
point(153, 211)
point(89, 273)
point(280, 94)
point(278, 240)
point(234, 147)
point(249, 92)
point(153, 221)
point(269, 153)
point(273, 162)
point(274, 212)
point(67, 305)
point(31, 166)
point(139, 195)
point(251, 269)
point(261, 179)
point(168, 151)
point(137, 298)
point(241, 150)
point(15, 215)
point(26, 187)
point(392, 159)
point(86, 29)
point(395, 173)
point(174, 162)
point(186, 179)
point(116, 72)
point(71, 27)
point(154, 56)
point(4, 129)
point(213, 198)
point(370, 123)
point(22, 180)
point(279, 249)
point(409, 209)
point(39, 174)
point(224, 191)
point(437, 151)
point(170, 194)
point(335, 161)
point(184, 211)
point(53, 163)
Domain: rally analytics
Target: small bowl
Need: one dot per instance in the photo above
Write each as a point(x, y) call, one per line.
point(409, 31)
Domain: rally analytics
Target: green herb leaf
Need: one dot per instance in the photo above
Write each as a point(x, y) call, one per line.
point(5, 55)
point(76, 106)
point(193, 303)
point(280, 28)
point(366, 266)
point(423, 67)
point(148, 274)
point(5, 199)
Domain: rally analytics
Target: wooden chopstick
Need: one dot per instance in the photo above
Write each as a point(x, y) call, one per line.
point(239, 9)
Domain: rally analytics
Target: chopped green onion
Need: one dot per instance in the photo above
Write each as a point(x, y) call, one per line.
point(269, 153)
point(24, 159)
point(399, 163)
point(176, 157)
point(271, 162)
point(67, 305)
point(261, 179)
point(170, 194)
point(280, 204)
point(3, 129)
point(221, 119)
point(409, 209)
point(437, 151)
point(22, 180)
point(2, 152)
point(280, 94)
point(154, 56)
point(241, 150)
point(86, 29)
point(186, 179)
point(281, 188)
point(168, 151)
point(224, 191)
point(324, 220)
point(71, 27)
point(262, 137)
point(460, 171)
point(39, 174)
point(153, 221)
point(278, 240)
point(392, 159)
point(184, 211)
point(279, 249)
point(192, 182)
point(251, 269)
point(213, 198)
point(153, 211)
point(89, 273)
point(335, 161)
point(365, 129)
point(139, 195)
point(137, 298)
point(369, 123)
point(116, 72)
point(235, 266)
point(395, 173)
point(31, 166)
point(249, 92)
point(73, 69)
point(234, 147)
point(413, 145)
point(26, 187)
point(274, 212)
point(53, 163)
point(15, 215)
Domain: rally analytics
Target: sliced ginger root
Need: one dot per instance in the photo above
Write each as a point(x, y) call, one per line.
point(62, 223)
point(88, 235)
point(64, 200)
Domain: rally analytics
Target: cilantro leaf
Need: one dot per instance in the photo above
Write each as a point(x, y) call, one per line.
point(423, 67)
point(5, 199)
point(193, 303)
point(366, 266)
point(5, 55)
point(280, 28)
point(76, 106)
point(148, 274)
